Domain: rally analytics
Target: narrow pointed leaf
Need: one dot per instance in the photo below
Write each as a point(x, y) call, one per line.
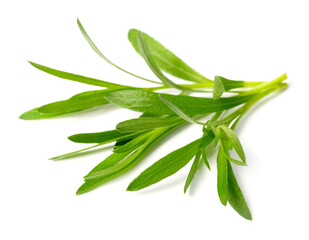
point(150, 102)
point(217, 132)
point(34, 114)
point(75, 77)
point(95, 48)
point(147, 123)
point(236, 198)
point(234, 142)
point(143, 49)
point(134, 143)
point(78, 102)
point(207, 139)
point(235, 161)
point(204, 157)
point(109, 162)
point(192, 171)
point(117, 164)
point(166, 166)
point(165, 59)
point(77, 153)
point(100, 137)
point(222, 184)
point(180, 113)
point(134, 155)
point(120, 143)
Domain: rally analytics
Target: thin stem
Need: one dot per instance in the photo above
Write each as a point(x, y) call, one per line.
point(266, 85)
point(208, 85)
point(228, 119)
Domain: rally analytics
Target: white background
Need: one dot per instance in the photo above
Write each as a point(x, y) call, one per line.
point(249, 40)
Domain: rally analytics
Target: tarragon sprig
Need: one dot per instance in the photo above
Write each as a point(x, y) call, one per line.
point(161, 114)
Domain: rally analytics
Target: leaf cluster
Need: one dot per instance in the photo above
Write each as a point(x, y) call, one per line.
point(161, 114)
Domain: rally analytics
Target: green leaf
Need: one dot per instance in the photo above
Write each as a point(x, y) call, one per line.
point(109, 162)
point(230, 84)
point(236, 198)
point(121, 163)
point(204, 157)
point(143, 49)
point(166, 60)
point(166, 166)
point(222, 176)
point(218, 89)
point(77, 153)
point(222, 85)
point(207, 138)
point(134, 143)
point(147, 123)
point(150, 102)
point(100, 137)
point(235, 161)
point(155, 134)
point(78, 102)
point(75, 77)
point(217, 133)
point(234, 142)
point(120, 143)
point(192, 171)
point(34, 114)
point(180, 113)
point(95, 48)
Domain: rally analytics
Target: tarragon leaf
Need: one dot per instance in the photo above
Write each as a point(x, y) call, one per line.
point(150, 102)
point(165, 59)
point(234, 142)
point(109, 162)
point(192, 172)
point(134, 143)
point(100, 137)
point(180, 113)
point(139, 149)
point(166, 166)
point(204, 157)
point(218, 88)
point(75, 77)
point(222, 185)
point(95, 48)
point(78, 102)
point(120, 162)
point(235, 196)
point(34, 114)
point(147, 123)
point(143, 49)
point(77, 153)
point(222, 85)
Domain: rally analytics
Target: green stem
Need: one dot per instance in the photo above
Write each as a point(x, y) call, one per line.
point(240, 111)
point(266, 85)
point(208, 85)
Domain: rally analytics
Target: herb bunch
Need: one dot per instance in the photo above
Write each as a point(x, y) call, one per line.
point(161, 114)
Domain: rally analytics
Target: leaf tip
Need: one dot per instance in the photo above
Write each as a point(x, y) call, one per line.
point(72, 138)
point(33, 64)
point(23, 116)
point(131, 188)
point(78, 22)
point(79, 192)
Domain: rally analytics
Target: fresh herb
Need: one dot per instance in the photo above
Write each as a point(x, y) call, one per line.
point(161, 114)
